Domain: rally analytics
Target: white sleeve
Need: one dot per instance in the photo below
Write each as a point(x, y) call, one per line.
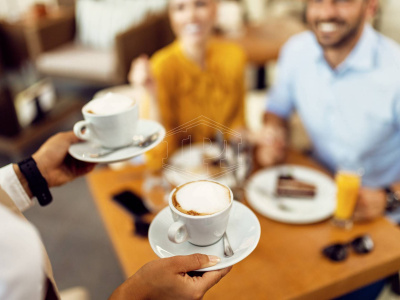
point(12, 186)
point(21, 259)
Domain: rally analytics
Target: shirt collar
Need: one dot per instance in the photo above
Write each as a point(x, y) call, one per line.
point(190, 66)
point(361, 57)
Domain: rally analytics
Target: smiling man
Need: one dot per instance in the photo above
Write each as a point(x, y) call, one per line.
point(338, 25)
point(343, 79)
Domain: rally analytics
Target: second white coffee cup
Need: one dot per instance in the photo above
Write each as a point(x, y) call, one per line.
point(110, 120)
point(200, 230)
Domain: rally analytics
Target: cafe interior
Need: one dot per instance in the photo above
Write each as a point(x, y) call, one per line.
point(57, 55)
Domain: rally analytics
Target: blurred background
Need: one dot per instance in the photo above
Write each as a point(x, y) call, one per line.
point(57, 55)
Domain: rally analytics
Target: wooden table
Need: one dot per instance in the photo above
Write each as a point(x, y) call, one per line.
point(287, 263)
point(262, 42)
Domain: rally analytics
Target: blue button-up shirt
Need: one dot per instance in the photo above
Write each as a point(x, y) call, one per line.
point(351, 113)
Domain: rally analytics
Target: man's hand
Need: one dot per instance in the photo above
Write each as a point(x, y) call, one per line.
point(167, 278)
point(54, 162)
point(371, 204)
point(272, 144)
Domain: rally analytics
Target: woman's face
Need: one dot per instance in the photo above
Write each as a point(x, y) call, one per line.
point(192, 20)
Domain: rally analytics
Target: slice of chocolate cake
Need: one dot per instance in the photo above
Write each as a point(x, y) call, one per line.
point(288, 186)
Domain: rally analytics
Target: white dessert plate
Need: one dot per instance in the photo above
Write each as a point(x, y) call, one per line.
point(188, 164)
point(260, 191)
point(82, 150)
point(243, 232)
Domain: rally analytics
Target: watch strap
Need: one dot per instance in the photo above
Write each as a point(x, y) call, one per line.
point(36, 182)
point(392, 200)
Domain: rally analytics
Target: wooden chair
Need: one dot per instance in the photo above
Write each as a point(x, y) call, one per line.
point(52, 48)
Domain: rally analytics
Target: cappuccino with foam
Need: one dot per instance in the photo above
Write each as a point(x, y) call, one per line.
point(200, 210)
point(110, 121)
point(109, 104)
point(200, 198)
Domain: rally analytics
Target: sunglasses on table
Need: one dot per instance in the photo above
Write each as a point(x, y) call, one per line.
point(338, 252)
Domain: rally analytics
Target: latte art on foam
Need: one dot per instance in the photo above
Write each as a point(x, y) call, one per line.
point(109, 104)
point(202, 198)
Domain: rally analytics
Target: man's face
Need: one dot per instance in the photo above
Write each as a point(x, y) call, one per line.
point(192, 20)
point(336, 23)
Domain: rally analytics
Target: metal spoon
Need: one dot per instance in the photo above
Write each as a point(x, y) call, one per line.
point(228, 252)
point(139, 142)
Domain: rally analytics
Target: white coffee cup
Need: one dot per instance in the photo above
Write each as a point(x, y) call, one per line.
point(200, 230)
point(110, 120)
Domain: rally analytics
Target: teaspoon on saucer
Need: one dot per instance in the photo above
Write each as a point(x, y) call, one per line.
point(139, 141)
point(228, 252)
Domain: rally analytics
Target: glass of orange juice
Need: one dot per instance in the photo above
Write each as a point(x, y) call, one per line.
point(155, 186)
point(348, 185)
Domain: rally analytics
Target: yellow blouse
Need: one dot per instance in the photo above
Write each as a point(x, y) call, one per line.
point(193, 102)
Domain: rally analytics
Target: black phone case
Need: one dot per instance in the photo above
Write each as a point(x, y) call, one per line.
point(131, 202)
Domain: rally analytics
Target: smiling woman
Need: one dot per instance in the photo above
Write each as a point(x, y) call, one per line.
point(195, 80)
point(192, 22)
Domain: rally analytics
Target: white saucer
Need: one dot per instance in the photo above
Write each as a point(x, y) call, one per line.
point(243, 231)
point(188, 165)
point(261, 187)
point(81, 151)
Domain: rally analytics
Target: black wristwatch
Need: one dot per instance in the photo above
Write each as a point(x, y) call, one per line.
point(36, 182)
point(392, 199)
